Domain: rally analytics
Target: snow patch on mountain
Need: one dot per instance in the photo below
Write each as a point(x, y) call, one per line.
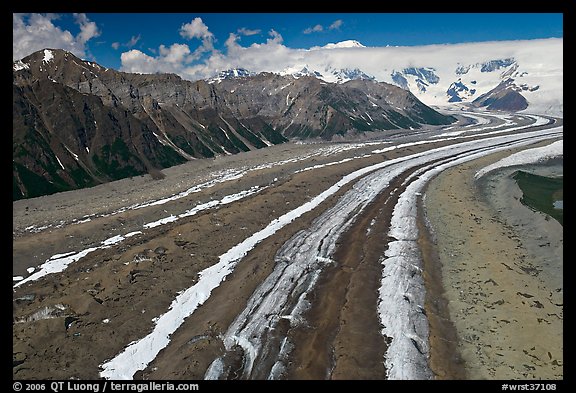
point(415, 78)
point(48, 55)
point(19, 65)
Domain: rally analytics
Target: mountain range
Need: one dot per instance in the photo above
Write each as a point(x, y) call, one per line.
point(523, 75)
point(77, 124)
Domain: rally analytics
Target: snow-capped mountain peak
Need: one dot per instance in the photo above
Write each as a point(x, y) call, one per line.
point(346, 74)
point(299, 71)
point(329, 74)
point(231, 74)
point(344, 44)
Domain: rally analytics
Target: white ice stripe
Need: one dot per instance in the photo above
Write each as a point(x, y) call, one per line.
point(298, 264)
point(480, 120)
point(118, 238)
point(227, 175)
point(402, 290)
point(528, 156)
point(137, 355)
point(227, 199)
point(307, 257)
point(162, 221)
point(451, 138)
point(464, 129)
point(56, 265)
point(224, 176)
point(330, 163)
point(60, 262)
point(113, 240)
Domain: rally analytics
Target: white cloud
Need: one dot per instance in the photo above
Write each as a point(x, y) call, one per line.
point(32, 32)
point(232, 42)
point(137, 61)
point(247, 32)
point(171, 59)
point(88, 29)
point(176, 53)
point(275, 39)
point(115, 45)
point(198, 29)
point(314, 29)
point(336, 24)
point(195, 29)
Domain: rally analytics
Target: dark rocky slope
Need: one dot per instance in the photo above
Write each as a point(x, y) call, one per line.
point(77, 124)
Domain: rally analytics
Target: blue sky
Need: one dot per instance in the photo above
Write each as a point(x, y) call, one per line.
point(158, 41)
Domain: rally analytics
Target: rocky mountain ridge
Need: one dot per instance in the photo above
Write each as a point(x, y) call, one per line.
point(77, 124)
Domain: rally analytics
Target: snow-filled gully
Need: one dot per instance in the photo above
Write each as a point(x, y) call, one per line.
point(302, 259)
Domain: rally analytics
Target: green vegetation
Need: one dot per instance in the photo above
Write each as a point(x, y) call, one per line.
point(223, 139)
point(34, 185)
point(271, 134)
point(401, 121)
point(110, 166)
point(82, 178)
point(361, 125)
point(183, 144)
point(169, 157)
point(540, 193)
point(208, 141)
point(236, 142)
point(253, 139)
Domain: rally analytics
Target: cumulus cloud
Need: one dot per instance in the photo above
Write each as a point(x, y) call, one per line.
point(171, 58)
point(179, 59)
point(314, 29)
point(88, 29)
point(115, 45)
point(176, 53)
point(336, 24)
point(248, 32)
point(32, 32)
point(198, 29)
